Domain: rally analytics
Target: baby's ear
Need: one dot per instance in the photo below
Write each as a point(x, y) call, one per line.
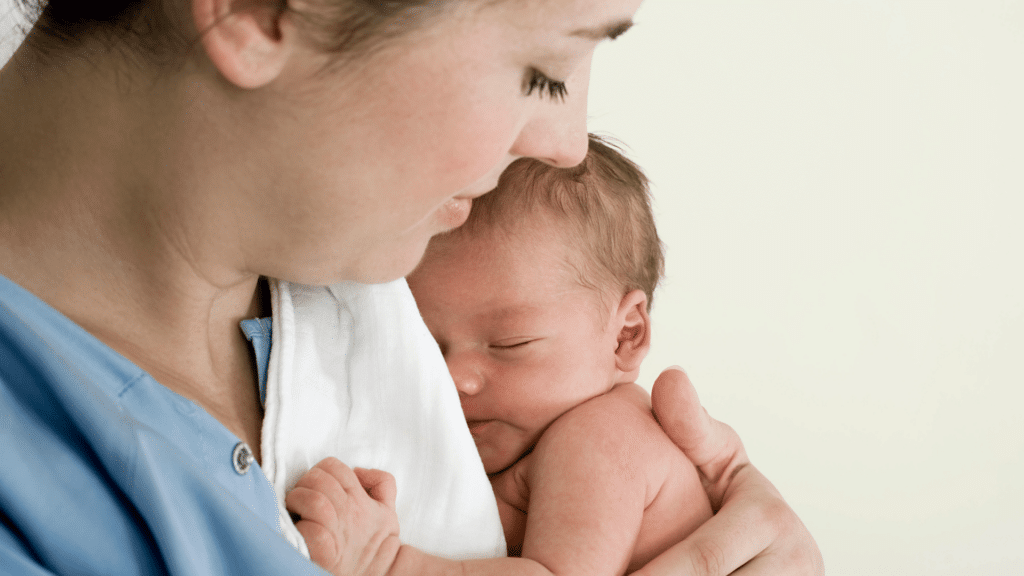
point(634, 334)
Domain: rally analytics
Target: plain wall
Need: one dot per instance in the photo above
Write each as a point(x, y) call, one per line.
point(839, 186)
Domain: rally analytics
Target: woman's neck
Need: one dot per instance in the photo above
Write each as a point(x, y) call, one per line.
point(94, 221)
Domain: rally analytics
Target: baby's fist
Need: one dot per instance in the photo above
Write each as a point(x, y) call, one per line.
point(347, 518)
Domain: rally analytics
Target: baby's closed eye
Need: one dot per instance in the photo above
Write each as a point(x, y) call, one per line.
point(512, 343)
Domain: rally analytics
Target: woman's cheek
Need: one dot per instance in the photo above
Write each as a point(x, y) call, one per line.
point(480, 148)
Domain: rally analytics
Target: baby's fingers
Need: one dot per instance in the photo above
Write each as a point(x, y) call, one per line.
point(323, 547)
point(317, 515)
point(312, 506)
point(339, 472)
point(379, 484)
point(334, 481)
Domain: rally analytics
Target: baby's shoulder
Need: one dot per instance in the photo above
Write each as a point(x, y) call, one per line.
point(624, 407)
point(617, 425)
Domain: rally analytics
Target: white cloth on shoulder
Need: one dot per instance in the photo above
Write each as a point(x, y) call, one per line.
point(355, 374)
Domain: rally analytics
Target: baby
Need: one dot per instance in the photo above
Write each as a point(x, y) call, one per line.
point(540, 306)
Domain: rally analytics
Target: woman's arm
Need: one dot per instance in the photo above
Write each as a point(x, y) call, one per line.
point(754, 532)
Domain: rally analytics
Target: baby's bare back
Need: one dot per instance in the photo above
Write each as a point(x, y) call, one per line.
point(604, 491)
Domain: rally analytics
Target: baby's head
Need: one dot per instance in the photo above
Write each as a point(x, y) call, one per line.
point(540, 301)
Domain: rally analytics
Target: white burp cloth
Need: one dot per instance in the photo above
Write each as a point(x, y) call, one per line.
point(355, 374)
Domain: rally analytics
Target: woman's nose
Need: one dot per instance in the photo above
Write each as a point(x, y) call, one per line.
point(465, 372)
point(556, 134)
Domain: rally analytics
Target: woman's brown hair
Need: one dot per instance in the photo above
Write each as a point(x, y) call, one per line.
point(339, 26)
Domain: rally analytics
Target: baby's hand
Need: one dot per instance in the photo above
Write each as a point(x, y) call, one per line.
point(347, 518)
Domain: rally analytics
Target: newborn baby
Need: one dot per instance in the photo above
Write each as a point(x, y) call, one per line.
point(540, 306)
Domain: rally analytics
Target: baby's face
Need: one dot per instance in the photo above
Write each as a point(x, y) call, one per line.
point(523, 341)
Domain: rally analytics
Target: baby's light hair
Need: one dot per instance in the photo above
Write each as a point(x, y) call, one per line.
point(605, 206)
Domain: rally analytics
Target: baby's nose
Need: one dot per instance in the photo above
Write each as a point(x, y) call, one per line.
point(465, 373)
point(469, 384)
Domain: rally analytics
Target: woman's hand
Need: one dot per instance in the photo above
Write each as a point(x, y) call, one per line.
point(754, 531)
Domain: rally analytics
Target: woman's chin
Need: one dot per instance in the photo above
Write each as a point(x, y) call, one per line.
point(399, 262)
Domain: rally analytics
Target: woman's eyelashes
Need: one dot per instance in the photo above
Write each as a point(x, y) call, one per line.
point(539, 82)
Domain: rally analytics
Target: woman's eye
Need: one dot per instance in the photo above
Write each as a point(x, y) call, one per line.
point(538, 82)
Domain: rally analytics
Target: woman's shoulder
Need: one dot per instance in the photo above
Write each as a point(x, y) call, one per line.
point(96, 453)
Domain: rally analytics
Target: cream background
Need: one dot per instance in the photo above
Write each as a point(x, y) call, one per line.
point(839, 184)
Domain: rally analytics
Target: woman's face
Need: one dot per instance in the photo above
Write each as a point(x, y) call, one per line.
point(371, 159)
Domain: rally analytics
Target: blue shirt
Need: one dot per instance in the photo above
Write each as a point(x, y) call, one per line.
point(259, 332)
point(105, 471)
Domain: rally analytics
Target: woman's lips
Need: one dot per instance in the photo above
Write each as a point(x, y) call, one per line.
point(454, 212)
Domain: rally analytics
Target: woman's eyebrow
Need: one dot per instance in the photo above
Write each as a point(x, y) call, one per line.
point(612, 30)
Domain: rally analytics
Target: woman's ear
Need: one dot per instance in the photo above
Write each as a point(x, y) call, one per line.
point(243, 38)
point(634, 326)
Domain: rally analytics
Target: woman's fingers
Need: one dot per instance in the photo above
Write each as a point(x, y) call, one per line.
point(763, 517)
point(770, 564)
point(719, 547)
point(754, 532)
point(712, 446)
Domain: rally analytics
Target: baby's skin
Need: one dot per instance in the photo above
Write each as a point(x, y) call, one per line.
point(348, 517)
point(604, 491)
point(586, 480)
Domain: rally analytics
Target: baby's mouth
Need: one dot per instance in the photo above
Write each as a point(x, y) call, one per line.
point(477, 427)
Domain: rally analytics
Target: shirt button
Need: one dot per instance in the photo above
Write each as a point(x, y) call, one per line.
point(242, 458)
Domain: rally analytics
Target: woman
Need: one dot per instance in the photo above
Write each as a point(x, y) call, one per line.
point(157, 158)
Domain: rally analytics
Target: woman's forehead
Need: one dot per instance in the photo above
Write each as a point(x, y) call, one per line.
point(592, 20)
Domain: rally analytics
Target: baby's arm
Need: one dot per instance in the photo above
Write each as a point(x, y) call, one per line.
point(348, 520)
point(592, 478)
point(590, 482)
point(588, 487)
